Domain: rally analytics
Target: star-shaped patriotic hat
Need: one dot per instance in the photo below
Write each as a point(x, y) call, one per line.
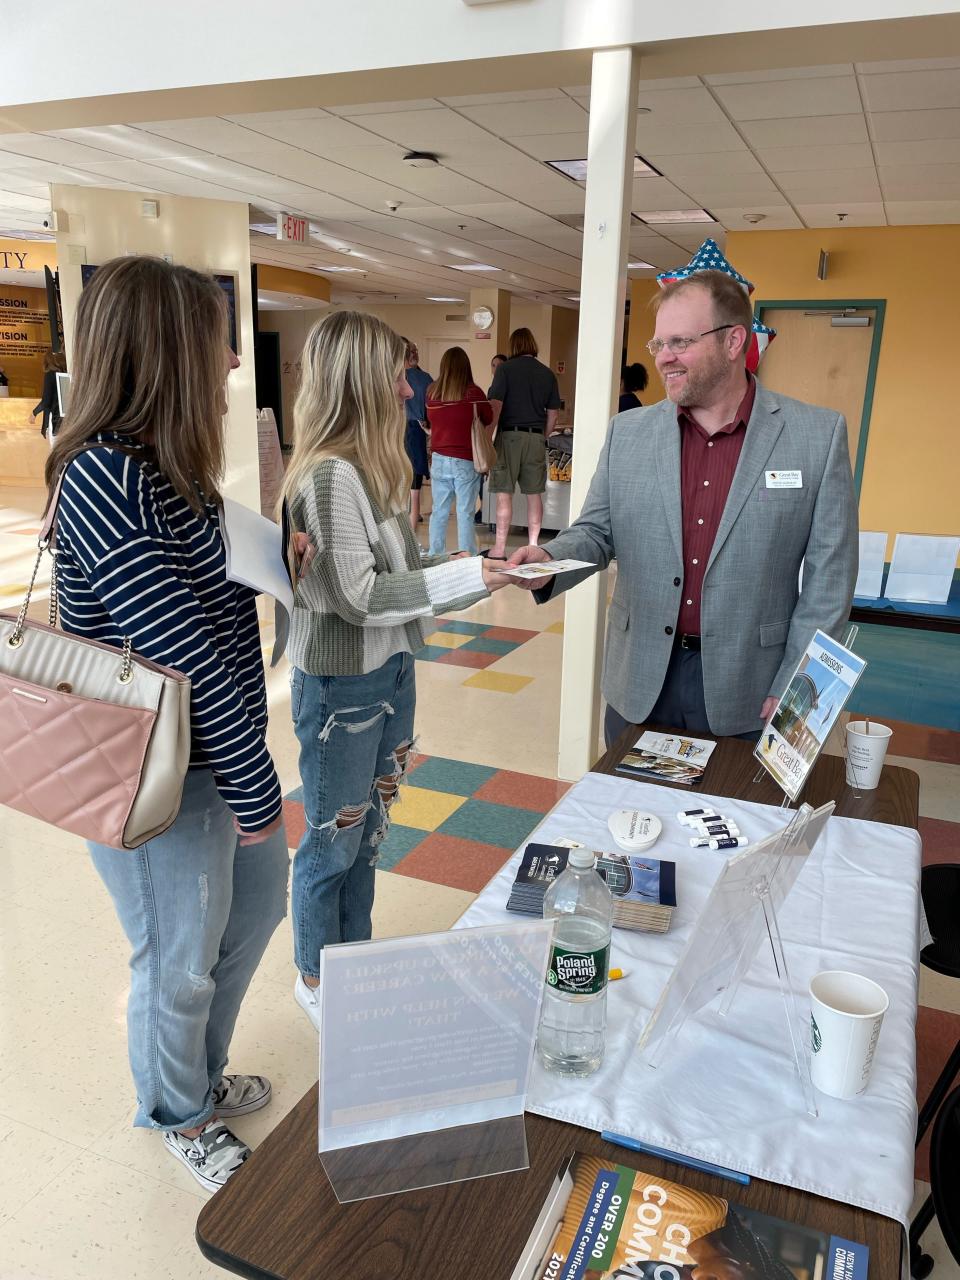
point(710, 257)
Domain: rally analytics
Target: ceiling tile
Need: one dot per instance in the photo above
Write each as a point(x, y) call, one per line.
point(854, 155)
point(511, 120)
point(909, 126)
point(775, 217)
point(424, 130)
point(510, 95)
point(912, 90)
point(920, 173)
point(822, 185)
point(45, 146)
point(785, 73)
point(657, 193)
point(857, 215)
point(385, 108)
point(256, 119)
point(660, 138)
point(896, 190)
point(922, 212)
point(748, 190)
point(708, 165)
point(554, 146)
point(668, 82)
point(929, 151)
point(209, 133)
point(911, 64)
point(319, 134)
point(124, 140)
point(681, 106)
point(775, 99)
point(806, 131)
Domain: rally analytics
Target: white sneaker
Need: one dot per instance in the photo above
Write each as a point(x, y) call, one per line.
point(237, 1095)
point(308, 998)
point(212, 1156)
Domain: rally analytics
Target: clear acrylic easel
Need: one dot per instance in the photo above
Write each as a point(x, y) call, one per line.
point(740, 911)
point(850, 634)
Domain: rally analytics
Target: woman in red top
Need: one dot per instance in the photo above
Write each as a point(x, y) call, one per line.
point(450, 404)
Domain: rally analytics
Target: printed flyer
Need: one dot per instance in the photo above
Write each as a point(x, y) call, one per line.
point(807, 711)
point(603, 1220)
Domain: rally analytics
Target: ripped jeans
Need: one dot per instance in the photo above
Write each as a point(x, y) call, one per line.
point(355, 735)
point(198, 909)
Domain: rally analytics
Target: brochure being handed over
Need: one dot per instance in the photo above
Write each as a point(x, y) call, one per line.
point(809, 708)
point(547, 568)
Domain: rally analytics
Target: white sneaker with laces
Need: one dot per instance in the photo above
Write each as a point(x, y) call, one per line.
point(213, 1156)
point(237, 1095)
point(308, 998)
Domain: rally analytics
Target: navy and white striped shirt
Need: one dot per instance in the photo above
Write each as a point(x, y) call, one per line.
point(134, 560)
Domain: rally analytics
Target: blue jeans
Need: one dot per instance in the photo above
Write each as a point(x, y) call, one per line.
point(354, 732)
point(198, 909)
point(453, 477)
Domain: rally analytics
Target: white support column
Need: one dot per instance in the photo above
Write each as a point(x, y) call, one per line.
point(610, 151)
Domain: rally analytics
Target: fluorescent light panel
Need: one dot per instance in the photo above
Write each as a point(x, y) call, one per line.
point(675, 215)
point(577, 169)
point(429, 299)
point(476, 266)
point(640, 266)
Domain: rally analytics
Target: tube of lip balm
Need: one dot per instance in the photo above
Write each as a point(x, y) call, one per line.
point(718, 829)
point(729, 842)
point(686, 816)
point(700, 842)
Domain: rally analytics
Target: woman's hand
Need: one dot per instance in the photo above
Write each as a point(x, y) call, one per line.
point(304, 553)
point(258, 837)
point(493, 578)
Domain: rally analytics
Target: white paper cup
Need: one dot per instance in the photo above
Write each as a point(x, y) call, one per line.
point(865, 753)
point(847, 1013)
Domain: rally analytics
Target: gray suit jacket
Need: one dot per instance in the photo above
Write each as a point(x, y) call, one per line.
point(755, 622)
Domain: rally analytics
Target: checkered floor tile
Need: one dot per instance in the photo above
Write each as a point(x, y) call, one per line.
point(471, 644)
point(454, 823)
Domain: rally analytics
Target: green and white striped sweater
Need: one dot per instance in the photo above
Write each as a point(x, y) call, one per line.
point(368, 594)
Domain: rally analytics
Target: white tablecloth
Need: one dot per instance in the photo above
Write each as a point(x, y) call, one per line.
point(727, 1090)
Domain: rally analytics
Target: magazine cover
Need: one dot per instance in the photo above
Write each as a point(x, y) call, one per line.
point(603, 1219)
point(644, 889)
point(665, 757)
point(807, 711)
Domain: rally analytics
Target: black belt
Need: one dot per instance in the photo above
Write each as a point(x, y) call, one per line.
point(689, 642)
point(536, 430)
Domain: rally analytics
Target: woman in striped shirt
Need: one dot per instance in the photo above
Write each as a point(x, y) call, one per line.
point(361, 611)
point(140, 555)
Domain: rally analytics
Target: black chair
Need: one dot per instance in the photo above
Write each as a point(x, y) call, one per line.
point(944, 1198)
point(940, 890)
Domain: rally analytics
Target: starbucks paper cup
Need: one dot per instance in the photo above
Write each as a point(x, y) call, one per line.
point(846, 1016)
point(865, 753)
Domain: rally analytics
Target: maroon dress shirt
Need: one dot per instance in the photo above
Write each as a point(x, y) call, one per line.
point(707, 467)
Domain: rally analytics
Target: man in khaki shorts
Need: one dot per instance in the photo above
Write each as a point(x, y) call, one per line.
point(525, 399)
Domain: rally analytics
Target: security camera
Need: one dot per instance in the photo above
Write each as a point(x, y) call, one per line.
point(393, 205)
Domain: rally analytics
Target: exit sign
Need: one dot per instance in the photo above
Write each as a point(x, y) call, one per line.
point(291, 228)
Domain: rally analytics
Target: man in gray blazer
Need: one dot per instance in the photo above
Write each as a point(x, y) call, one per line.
point(710, 501)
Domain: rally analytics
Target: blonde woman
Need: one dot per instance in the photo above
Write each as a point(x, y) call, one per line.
point(140, 555)
point(361, 611)
point(451, 402)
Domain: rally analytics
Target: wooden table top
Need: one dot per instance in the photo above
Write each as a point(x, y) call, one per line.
point(278, 1216)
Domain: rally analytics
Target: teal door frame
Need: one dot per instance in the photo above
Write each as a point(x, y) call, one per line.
point(878, 306)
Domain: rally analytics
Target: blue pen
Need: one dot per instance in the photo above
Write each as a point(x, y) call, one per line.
point(632, 1144)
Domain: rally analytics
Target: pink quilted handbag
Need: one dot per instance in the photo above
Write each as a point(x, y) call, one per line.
point(93, 739)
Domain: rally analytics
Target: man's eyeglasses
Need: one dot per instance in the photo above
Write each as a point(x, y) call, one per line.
point(677, 346)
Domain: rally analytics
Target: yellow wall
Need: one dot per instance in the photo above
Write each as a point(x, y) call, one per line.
point(211, 235)
point(24, 338)
point(36, 254)
point(911, 478)
point(639, 333)
point(302, 284)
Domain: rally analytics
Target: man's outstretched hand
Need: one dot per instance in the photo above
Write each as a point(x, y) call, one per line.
point(528, 555)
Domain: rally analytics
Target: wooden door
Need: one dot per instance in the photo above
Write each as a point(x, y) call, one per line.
point(812, 360)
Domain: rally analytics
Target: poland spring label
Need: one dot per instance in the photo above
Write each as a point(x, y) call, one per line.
point(578, 973)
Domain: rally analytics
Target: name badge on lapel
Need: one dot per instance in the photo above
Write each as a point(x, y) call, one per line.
point(784, 479)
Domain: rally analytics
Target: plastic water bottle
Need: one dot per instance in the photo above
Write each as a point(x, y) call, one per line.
point(574, 1014)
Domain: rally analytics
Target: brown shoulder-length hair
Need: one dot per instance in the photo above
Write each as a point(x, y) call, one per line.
point(523, 343)
point(454, 377)
point(149, 362)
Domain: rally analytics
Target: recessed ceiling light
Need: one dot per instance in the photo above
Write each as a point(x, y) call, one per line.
point(430, 299)
point(577, 169)
point(640, 266)
point(351, 270)
point(264, 229)
point(676, 215)
point(572, 298)
point(476, 266)
point(421, 159)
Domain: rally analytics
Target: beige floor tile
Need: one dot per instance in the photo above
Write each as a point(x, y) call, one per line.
point(939, 787)
point(405, 906)
point(937, 991)
point(539, 657)
point(29, 1161)
point(99, 1220)
point(945, 1266)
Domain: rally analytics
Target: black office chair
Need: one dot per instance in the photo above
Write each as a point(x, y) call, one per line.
point(944, 1198)
point(940, 890)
